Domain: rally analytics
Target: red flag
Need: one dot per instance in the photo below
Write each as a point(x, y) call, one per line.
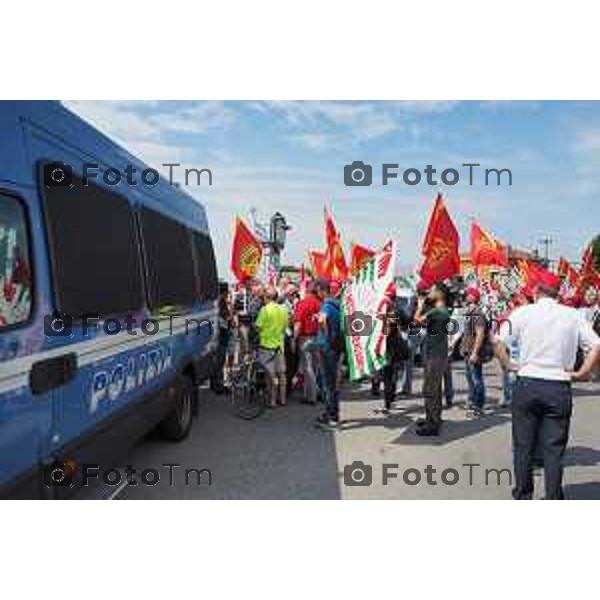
point(359, 256)
point(534, 274)
point(336, 266)
point(588, 275)
point(317, 261)
point(486, 250)
point(246, 252)
point(440, 246)
point(568, 272)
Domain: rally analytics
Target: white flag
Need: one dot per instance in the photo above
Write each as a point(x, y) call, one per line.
point(364, 302)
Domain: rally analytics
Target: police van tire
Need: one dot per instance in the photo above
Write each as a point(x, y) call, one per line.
point(178, 423)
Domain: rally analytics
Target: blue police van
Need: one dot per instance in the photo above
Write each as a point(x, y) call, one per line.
point(108, 302)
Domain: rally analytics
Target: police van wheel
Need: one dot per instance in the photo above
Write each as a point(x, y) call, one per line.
point(178, 423)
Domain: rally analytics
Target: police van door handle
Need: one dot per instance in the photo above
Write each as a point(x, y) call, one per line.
point(52, 373)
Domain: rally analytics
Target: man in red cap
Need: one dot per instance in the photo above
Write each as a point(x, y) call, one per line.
point(472, 346)
point(549, 335)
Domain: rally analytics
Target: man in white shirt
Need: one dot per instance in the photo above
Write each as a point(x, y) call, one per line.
point(548, 335)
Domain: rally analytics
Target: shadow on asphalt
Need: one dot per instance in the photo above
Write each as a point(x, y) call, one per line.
point(583, 392)
point(583, 491)
point(280, 455)
point(580, 456)
point(451, 431)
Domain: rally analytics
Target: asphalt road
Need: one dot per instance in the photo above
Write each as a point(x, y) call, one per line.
point(282, 456)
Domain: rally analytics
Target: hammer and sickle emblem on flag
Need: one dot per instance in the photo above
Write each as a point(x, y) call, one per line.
point(250, 259)
point(440, 249)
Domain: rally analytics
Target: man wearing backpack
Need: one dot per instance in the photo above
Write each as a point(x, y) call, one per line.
point(473, 346)
point(330, 341)
point(397, 350)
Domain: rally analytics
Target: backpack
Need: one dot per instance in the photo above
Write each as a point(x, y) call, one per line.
point(335, 336)
point(486, 354)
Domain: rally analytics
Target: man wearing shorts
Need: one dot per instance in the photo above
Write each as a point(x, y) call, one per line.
point(271, 323)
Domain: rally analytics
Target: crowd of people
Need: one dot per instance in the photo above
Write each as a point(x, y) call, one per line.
point(541, 346)
point(296, 337)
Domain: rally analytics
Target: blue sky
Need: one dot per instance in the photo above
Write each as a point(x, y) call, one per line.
point(289, 156)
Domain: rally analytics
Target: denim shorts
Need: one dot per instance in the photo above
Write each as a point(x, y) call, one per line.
point(272, 360)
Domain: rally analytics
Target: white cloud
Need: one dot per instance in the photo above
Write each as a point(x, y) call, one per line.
point(425, 106)
point(328, 124)
point(586, 154)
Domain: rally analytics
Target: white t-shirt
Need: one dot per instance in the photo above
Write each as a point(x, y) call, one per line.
point(548, 335)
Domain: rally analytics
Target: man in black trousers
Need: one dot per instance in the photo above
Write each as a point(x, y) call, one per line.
point(548, 335)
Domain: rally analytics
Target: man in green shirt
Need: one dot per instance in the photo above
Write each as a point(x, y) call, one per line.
point(435, 315)
point(271, 323)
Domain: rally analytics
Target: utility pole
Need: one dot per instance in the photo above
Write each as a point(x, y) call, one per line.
point(546, 242)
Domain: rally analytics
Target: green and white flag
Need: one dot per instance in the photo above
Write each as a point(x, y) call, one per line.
point(363, 303)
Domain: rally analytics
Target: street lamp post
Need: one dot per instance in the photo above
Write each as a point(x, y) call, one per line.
point(273, 239)
point(277, 239)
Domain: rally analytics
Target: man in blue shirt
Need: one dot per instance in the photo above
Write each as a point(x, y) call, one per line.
point(330, 343)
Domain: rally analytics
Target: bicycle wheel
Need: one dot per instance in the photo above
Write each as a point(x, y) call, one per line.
point(248, 393)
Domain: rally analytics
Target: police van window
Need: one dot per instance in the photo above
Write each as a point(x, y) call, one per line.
point(206, 269)
point(15, 268)
point(169, 261)
point(94, 254)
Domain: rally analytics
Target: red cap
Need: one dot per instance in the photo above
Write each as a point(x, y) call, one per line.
point(474, 293)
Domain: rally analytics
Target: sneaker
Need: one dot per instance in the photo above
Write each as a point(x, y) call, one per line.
point(428, 429)
point(326, 424)
point(307, 401)
point(474, 412)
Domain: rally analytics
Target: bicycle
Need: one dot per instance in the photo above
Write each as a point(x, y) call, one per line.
point(251, 388)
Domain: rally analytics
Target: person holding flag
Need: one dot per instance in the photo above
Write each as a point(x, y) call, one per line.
point(433, 313)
